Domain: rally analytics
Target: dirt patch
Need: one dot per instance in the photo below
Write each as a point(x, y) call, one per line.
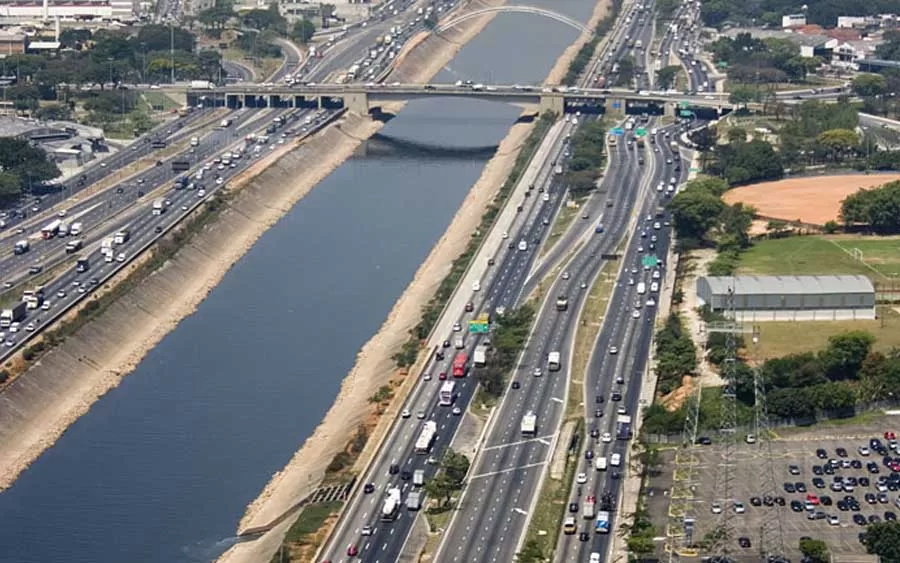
point(814, 200)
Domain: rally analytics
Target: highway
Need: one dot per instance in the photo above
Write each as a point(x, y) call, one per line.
point(144, 227)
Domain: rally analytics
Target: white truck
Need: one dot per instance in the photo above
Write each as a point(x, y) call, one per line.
point(553, 361)
point(418, 477)
point(414, 501)
point(426, 438)
point(480, 356)
point(195, 141)
point(641, 288)
point(21, 247)
point(121, 237)
point(391, 505)
point(73, 246)
point(159, 206)
point(588, 508)
point(529, 424)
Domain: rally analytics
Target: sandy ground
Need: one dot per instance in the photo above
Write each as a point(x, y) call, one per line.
point(813, 200)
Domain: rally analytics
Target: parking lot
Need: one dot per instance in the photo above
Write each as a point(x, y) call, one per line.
point(813, 461)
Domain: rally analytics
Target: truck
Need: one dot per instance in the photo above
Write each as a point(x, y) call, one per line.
point(623, 427)
point(641, 288)
point(63, 229)
point(159, 206)
point(106, 245)
point(558, 170)
point(529, 424)
point(225, 123)
point(83, 265)
point(21, 247)
point(391, 505)
point(553, 361)
point(51, 229)
point(426, 438)
point(73, 246)
point(562, 303)
point(588, 508)
point(460, 365)
point(418, 477)
point(76, 229)
point(13, 315)
point(414, 501)
point(121, 237)
point(195, 141)
point(601, 524)
point(447, 393)
point(202, 85)
point(480, 356)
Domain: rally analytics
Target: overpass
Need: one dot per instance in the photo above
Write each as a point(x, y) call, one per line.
point(361, 98)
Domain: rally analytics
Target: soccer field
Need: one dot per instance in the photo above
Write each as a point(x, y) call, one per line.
point(824, 255)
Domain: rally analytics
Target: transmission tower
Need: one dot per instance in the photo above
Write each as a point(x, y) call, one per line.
point(771, 543)
point(680, 527)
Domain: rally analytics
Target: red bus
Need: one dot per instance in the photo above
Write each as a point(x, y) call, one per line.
point(459, 364)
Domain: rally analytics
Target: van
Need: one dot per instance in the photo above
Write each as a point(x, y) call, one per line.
point(615, 460)
point(523, 246)
point(654, 287)
point(600, 463)
point(418, 477)
point(460, 343)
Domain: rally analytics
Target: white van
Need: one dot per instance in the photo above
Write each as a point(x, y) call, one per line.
point(523, 246)
point(615, 460)
point(476, 285)
point(600, 464)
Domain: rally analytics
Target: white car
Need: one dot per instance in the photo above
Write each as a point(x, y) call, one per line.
point(366, 530)
point(457, 327)
point(635, 314)
point(420, 415)
point(457, 411)
point(405, 413)
point(739, 508)
point(476, 286)
point(622, 410)
point(595, 557)
point(505, 235)
point(565, 275)
point(716, 508)
point(863, 450)
point(613, 350)
point(834, 520)
point(538, 372)
point(582, 478)
point(45, 306)
point(606, 438)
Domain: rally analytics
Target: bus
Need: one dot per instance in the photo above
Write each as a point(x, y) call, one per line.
point(426, 438)
point(460, 363)
point(447, 393)
point(602, 523)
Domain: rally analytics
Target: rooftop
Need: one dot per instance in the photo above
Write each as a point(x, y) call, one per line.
point(786, 285)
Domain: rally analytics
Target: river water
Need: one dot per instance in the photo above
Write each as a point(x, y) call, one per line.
point(162, 468)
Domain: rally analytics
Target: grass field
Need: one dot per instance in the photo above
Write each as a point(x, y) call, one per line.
point(779, 339)
point(160, 100)
point(824, 255)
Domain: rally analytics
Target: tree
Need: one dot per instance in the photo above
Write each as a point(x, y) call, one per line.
point(531, 552)
point(665, 77)
point(883, 539)
point(815, 551)
point(431, 20)
point(440, 487)
point(29, 164)
point(695, 212)
point(269, 19)
point(737, 135)
point(845, 354)
point(838, 142)
point(303, 31)
point(742, 95)
point(10, 187)
point(455, 466)
point(869, 85)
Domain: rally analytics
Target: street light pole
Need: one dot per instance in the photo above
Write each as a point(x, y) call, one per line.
point(171, 53)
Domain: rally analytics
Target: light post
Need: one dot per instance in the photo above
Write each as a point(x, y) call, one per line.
point(171, 53)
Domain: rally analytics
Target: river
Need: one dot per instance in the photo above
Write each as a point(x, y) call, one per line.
point(162, 467)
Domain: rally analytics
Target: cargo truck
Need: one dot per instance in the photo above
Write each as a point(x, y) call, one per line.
point(529, 424)
point(623, 427)
point(159, 206)
point(418, 477)
point(480, 356)
point(73, 246)
point(202, 85)
point(21, 247)
point(587, 508)
point(13, 315)
point(553, 361)
point(121, 237)
point(391, 505)
point(414, 501)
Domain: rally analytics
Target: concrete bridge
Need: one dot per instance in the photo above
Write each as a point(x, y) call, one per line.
point(361, 98)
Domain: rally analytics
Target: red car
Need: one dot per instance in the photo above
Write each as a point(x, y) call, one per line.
point(813, 499)
point(890, 435)
point(352, 551)
point(442, 376)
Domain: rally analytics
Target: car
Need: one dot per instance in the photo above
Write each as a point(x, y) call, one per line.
point(405, 413)
point(817, 470)
point(716, 508)
point(613, 350)
point(420, 415)
point(427, 376)
point(841, 452)
point(457, 411)
point(818, 482)
point(821, 453)
point(789, 488)
point(890, 516)
point(756, 501)
point(606, 438)
point(470, 307)
point(393, 469)
point(796, 506)
point(516, 385)
point(442, 376)
point(565, 275)
point(581, 479)
point(794, 469)
point(635, 314)
point(744, 542)
point(738, 507)
point(573, 507)
point(584, 536)
point(889, 435)
point(825, 500)
point(704, 441)
point(352, 551)
point(621, 410)
point(61, 294)
point(589, 455)
point(598, 413)
point(863, 450)
point(446, 344)
point(537, 372)
point(369, 488)
point(595, 557)
point(457, 327)
point(801, 487)
point(859, 519)
point(812, 499)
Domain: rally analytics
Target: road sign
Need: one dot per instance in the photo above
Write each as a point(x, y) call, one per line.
point(648, 261)
point(478, 327)
point(683, 105)
point(617, 105)
point(640, 131)
point(618, 131)
point(686, 113)
point(692, 169)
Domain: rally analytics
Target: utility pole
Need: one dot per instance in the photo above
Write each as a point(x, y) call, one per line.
point(171, 52)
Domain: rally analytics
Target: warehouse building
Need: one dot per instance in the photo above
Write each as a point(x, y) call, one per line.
point(790, 298)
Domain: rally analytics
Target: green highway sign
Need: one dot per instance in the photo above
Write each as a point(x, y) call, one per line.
point(683, 105)
point(640, 131)
point(648, 261)
point(686, 113)
point(476, 327)
point(692, 169)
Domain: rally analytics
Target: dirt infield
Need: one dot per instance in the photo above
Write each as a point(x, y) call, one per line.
point(813, 200)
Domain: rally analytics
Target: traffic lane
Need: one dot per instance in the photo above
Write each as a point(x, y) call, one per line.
point(148, 180)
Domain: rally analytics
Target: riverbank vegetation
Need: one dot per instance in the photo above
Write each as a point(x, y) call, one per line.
point(432, 311)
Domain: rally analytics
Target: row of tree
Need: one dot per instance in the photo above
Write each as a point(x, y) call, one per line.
point(22, 166)
point(449, 479)
point(588, 147)
point(715, 13)
point(701, 218)
point(676, 355)
point(772, 60)
point(878, 208)
point(508, 337)
point(268, 22)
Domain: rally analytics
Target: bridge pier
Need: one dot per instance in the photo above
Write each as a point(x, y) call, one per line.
point(670, 110)
point(555, 104)
point(614, 107)
point(357, 102)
